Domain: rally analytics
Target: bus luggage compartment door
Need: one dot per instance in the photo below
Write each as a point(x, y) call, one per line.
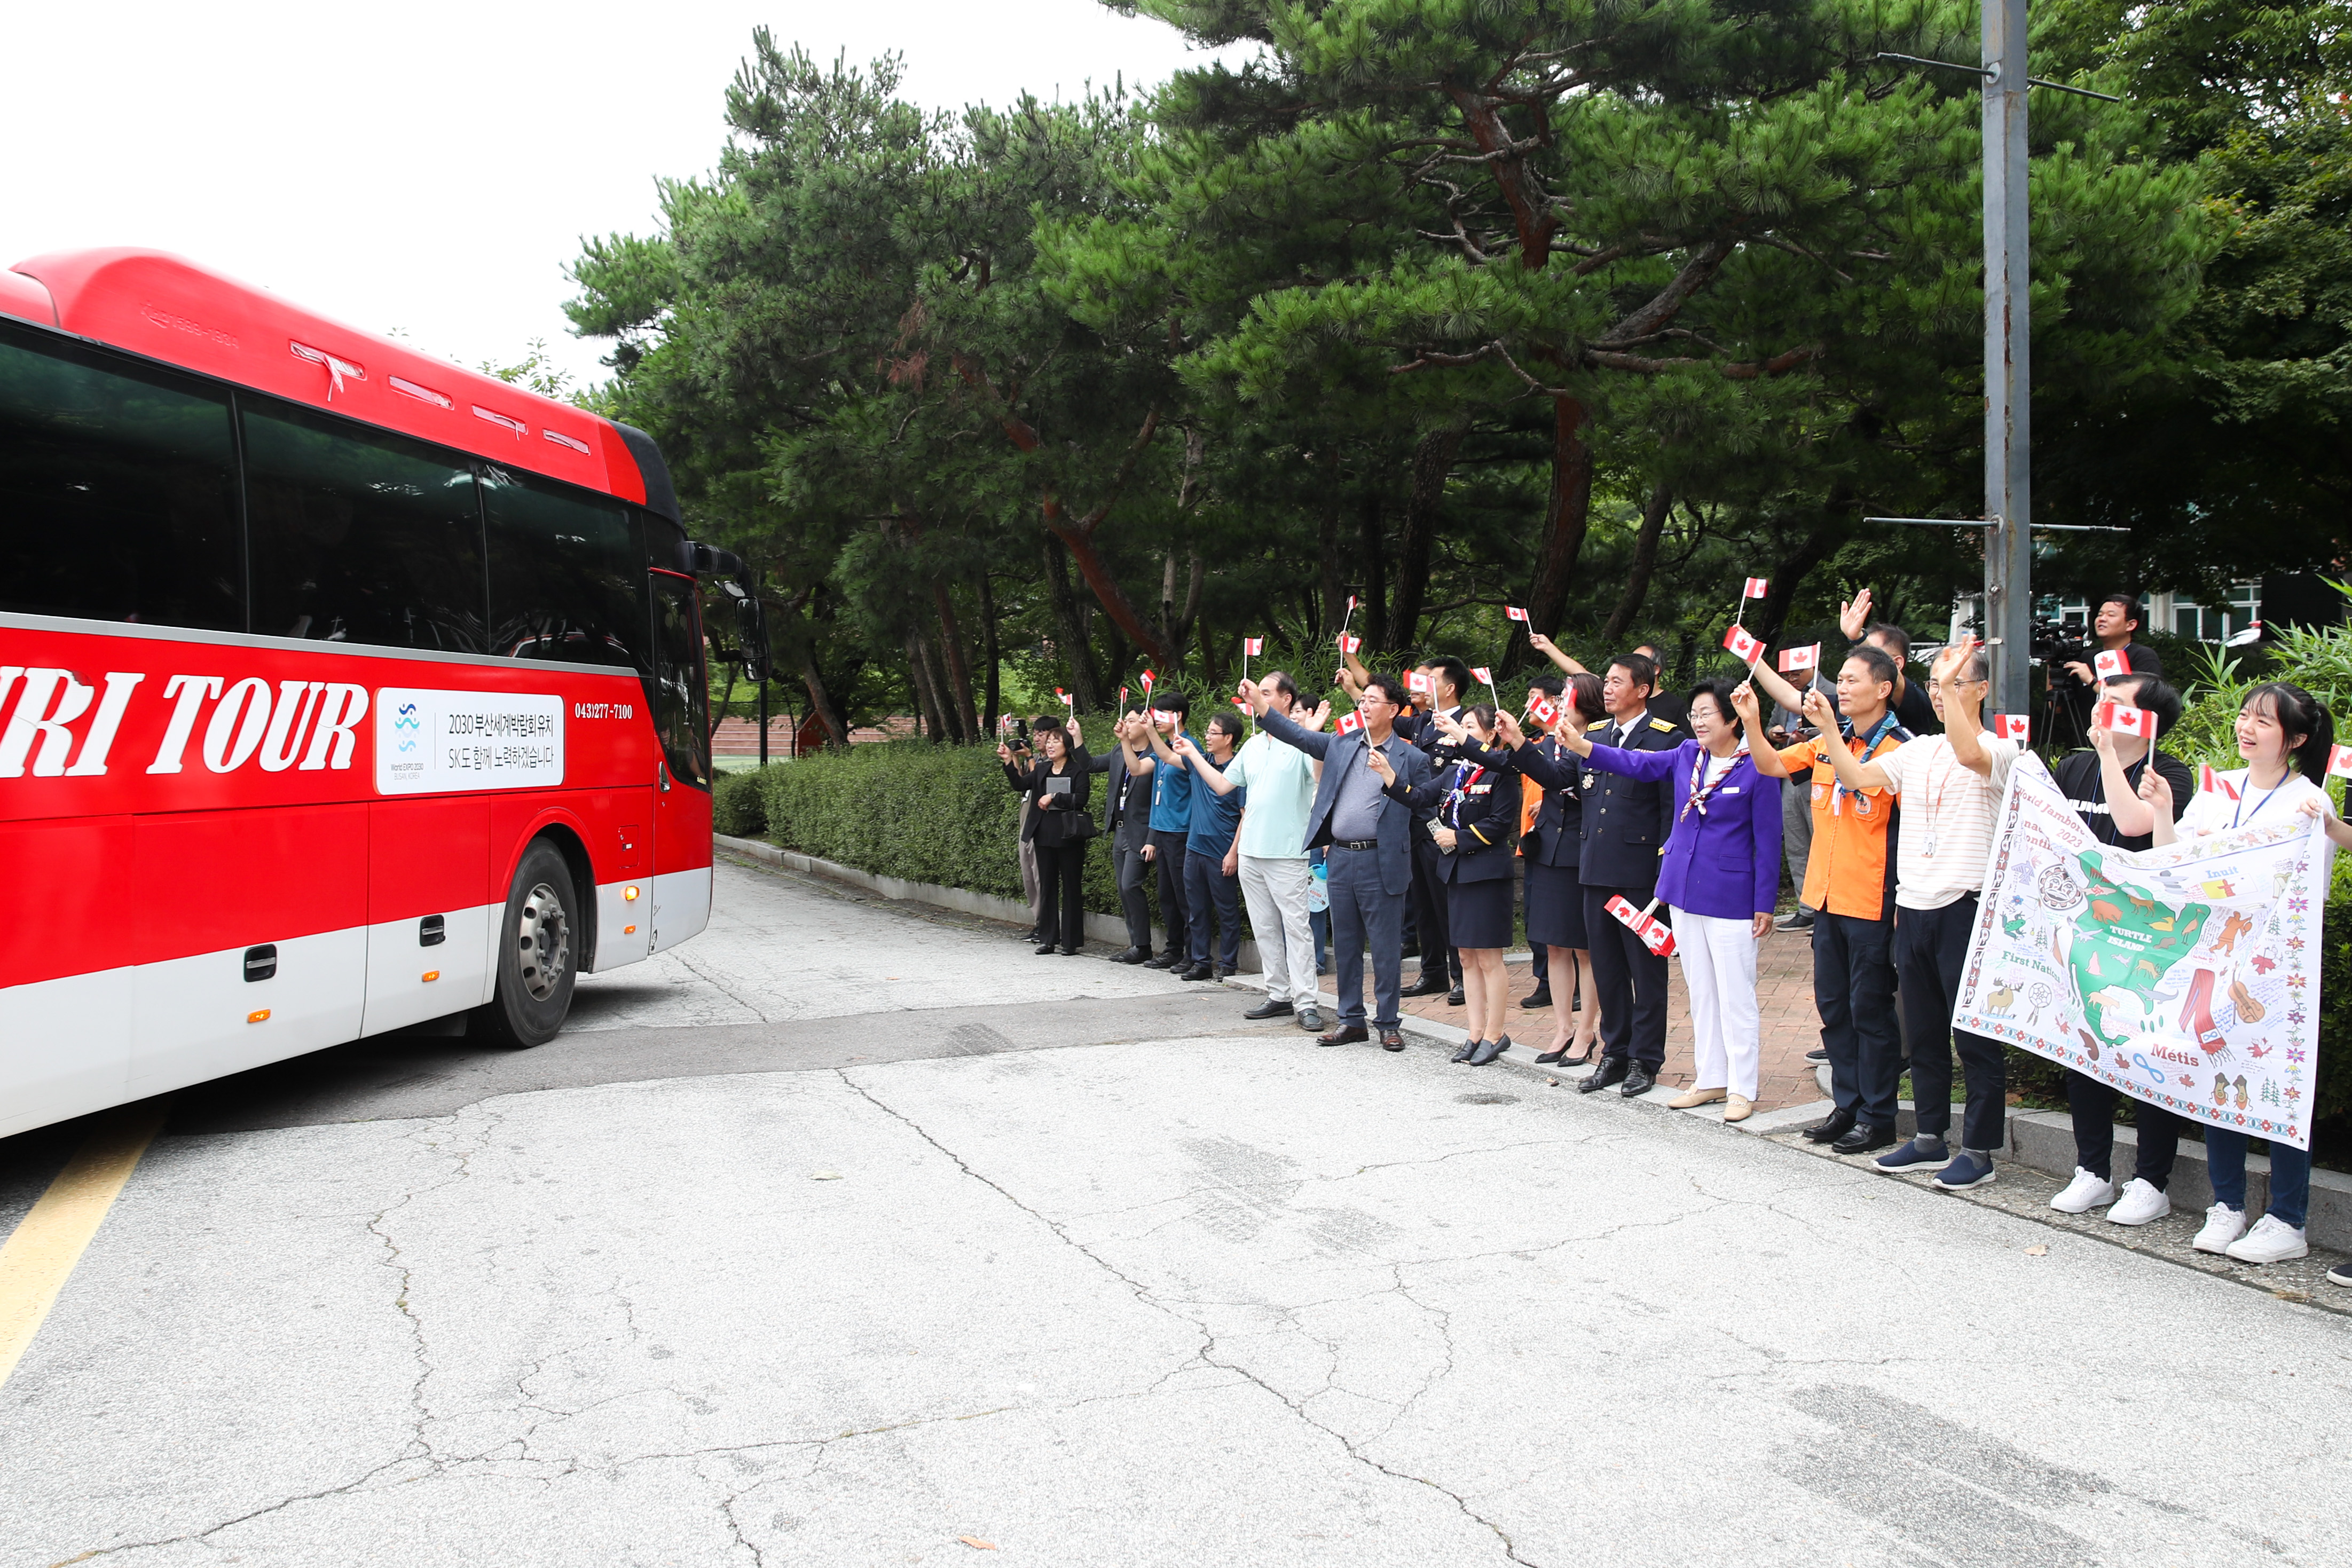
point(211, 887)
point(432, 912)
point(65, 972)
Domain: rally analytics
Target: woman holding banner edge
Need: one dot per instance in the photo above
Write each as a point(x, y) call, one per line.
point(1719, 873)
point(2287, 737)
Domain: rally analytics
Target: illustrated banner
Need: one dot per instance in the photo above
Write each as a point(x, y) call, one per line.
point(2186, 975)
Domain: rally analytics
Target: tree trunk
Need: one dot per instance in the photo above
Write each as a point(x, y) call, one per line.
point(836, 720)
point(1333, 590)
point(1568, 511)
point(958, 668)
point(1645, 564)
point(1208, 663)
point(1433, 460)
point(943, 692)
point(995, 655)
point(928, 713)
point(1078, 653)
point(1371, 622)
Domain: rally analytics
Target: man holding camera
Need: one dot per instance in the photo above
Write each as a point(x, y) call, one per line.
point(2113, 624)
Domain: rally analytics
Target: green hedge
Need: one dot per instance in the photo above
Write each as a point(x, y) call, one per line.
point(911, 809)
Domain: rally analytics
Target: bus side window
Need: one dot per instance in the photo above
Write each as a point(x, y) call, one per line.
point(361, 537)
point(118, 490)
point(681, 705)
point(567, 574)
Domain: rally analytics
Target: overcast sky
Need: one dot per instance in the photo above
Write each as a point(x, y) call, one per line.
point(431, 167)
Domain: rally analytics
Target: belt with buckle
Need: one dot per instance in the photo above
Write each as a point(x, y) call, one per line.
point(1357, 844)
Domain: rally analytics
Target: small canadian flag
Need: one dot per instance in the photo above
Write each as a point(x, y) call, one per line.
point(2009, 725)
point(1122, 696)
point(1253, 646)
point(2109, 664)
point(1482, 677)
point(2339, 761)
point(1147, 680)
point(1514, 612)
point(1417, 681)
point(1241, 704)
point(1349, 722)
point(1541, 708)
point(2211, 781)
point(2124, 719)
point(1744, 644)
point(1656, 934)
point(1805, 658)
point(1161, 715)
point(1068, 700)
point(1351, 601)
point(1757, 588)
point(1350, 644)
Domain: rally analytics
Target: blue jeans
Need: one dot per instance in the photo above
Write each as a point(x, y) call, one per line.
point(1207, 886)
point(1854, 988)
point(1363, 914)
point(2225, 1167)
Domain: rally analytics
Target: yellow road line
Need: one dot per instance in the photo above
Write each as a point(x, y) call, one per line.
point(38, 1256)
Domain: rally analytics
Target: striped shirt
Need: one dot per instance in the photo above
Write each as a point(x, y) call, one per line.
point(1947, 813)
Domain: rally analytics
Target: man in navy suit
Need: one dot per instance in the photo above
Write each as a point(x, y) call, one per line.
point(1625, 823)
point(1369, 840)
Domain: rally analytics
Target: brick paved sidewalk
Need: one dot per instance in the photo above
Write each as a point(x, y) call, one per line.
point(1784, 990)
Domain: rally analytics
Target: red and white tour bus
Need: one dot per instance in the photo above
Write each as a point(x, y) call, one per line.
point(342, 689)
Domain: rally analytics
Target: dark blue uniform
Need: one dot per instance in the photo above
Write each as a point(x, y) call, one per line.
point(1625, 823)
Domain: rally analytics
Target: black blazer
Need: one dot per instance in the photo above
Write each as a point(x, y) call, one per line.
point(1485, 822)
point(1138, 800)
point(1626, 820)
point(1055, 826)
point(1557, 836)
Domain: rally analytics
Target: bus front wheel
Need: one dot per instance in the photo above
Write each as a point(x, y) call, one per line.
point(537, 951)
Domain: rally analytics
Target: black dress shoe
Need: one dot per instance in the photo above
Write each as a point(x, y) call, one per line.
point(1552, 1058)
point(1455, 999)
point(1490, 1052)
point(1045, 947)
point(1391, 1040)
point(1311, 1019)
point(1269, 1010)
point(1165, 961)
point(1070, 952)
point(1638, 1080)
point(1131, 955)
point(1427, 986)
point(1611, 1071)
point(1817, 1055)
point(1469, 1049)
point(1032, 935)
point(1539, 998)
point(1346, 1034)
point(1198, 972)
point(1831, 1128)
point(1865, 1139)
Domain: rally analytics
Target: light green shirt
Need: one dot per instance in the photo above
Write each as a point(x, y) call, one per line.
point(1281, 780)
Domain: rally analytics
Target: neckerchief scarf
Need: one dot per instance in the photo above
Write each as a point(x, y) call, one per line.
point(1700, 789)
point(1878, 732)
point(1465, 773)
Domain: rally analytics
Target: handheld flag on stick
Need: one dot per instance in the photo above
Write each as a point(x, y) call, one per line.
point(1795, 659)
point(1488, 675)
point(1416, 681)
point(2339, 761)
point(1541, 710)
point(1756, 589)
point(1147, 683)
point(1252, 645)
point(2209, 782)
point(2126, 719)
point(1350, 644)
point(1350, 723)
point(1656, 934)
point(1345, 619)
point(1514, 612)
point(1745, 646)
point(2010, 727)
point(1068, 700)
point(2109, 664)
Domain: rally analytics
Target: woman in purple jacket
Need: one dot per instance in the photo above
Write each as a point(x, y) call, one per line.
point(1720, 873)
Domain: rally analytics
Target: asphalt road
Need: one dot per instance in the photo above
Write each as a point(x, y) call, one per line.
point(846, 1236)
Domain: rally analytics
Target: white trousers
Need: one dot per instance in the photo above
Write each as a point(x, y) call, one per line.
point(1274, 889)
point(1719, 967)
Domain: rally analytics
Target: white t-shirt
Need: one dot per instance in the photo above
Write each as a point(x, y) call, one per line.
point(2237, 805)
point(1945, 835)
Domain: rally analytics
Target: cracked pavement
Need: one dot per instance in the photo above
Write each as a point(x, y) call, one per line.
point(1044, 1278)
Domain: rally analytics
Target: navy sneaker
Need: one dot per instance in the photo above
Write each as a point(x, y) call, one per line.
point(1968, 1169)
point(1926, 1149)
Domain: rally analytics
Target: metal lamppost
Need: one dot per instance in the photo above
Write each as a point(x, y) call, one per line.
point(2008, 354)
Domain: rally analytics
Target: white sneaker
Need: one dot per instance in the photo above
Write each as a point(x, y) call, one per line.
point(2083, 1194)
point(2140, 1203)
point(2223, 1225)
point(2271, 1241)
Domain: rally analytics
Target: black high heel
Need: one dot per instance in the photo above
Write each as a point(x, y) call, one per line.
point(1589, 1052)
point(1552, 1058)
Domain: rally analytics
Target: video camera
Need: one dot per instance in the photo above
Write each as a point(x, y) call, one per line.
point(2056, 645)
